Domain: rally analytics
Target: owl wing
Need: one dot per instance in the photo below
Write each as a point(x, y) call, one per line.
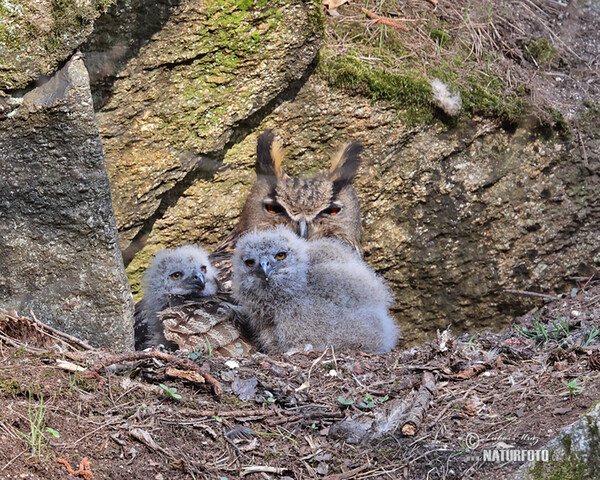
point(202, 323)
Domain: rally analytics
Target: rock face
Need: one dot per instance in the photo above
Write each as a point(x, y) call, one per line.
point(452, 218)
point(171, 91)
point(574, 453)
point(59, 253)
point(454, 212)
point(35, 36)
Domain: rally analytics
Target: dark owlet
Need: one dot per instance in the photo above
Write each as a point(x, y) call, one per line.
point(325, 205)
point(184, 272)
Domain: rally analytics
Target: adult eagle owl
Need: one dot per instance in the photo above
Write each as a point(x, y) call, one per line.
point(325, 205)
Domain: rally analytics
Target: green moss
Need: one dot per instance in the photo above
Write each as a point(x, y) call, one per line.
point(540, 52)
point(407, 91)
point(569, 467)
point(10, 387)
point(136, 268)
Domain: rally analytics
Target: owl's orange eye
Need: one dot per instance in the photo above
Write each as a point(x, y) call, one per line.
point(332, 211)
point(203, 269)
point(249, 262)
point(176, 275)
point(281, 255)
point(273, 208)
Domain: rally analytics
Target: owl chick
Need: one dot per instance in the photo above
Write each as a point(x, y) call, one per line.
point(182, 272)
point(325, 205)
point(291, 301)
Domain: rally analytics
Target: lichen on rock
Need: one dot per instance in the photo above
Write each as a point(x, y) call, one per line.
point(35, 37)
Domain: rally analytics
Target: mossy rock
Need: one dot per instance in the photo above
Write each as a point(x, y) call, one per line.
point(35, 37)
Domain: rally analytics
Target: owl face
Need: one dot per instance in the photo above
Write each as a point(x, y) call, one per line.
point(322, 206)
point(182, 271)
point(269, 260)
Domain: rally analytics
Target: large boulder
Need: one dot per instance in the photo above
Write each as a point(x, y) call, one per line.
point(59, 251)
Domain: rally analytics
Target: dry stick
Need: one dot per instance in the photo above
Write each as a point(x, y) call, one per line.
point(260, 468)
point(394, 23)
point(532, 294)
point(311, 416)
point(348, 474)
point(231, 413)
point(71, 338)
point(424, 396)
point(165, 357)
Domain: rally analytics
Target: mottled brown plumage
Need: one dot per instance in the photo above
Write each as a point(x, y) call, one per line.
point(208, 323)
point(313, 207)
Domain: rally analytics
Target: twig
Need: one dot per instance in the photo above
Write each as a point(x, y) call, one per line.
point(13, 460)
point(310, 416)
point(424, 396)
point(17, 344)
point(231, 413)
point(532, 294)
point(261, 468)
point(165, 357)
point(83, 344)
point(348, 474)
point(394, 23)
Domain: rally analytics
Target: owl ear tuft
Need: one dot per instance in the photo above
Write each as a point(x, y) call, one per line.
point(345, 163)
point(269, 154)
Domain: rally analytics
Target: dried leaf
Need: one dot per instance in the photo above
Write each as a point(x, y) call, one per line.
point(144, 437)
point(188, 375)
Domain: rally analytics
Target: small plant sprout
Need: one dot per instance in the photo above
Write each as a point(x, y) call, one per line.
point(540, 333)
point(370, 402)
point(171, 392)
point(37, 428)
point(591, 335)
point(345, 402)
point(574, 387)
point(208, 348)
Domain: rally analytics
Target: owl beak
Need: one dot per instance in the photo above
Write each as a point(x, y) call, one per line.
point(266, 267)
point(197, 281)
point(302, 228)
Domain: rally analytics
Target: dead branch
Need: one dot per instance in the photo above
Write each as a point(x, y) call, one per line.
point(532, 294)
point(231, 413)
point(310, 416)
point(165, 357)
point(426, 393)
point(260, 468)
point(83, 344)
point(348, 474)
point(390, 22)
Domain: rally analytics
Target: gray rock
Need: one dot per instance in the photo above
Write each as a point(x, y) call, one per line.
point(574, 453)
point(59, 253)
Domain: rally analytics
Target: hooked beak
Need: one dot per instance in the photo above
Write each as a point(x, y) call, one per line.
point(266, 267)
point(302, 228)
point(196, 281)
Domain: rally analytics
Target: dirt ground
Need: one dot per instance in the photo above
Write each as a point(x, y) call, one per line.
point(286, 416)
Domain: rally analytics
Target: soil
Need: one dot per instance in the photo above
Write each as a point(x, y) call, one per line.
point(283, 413)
